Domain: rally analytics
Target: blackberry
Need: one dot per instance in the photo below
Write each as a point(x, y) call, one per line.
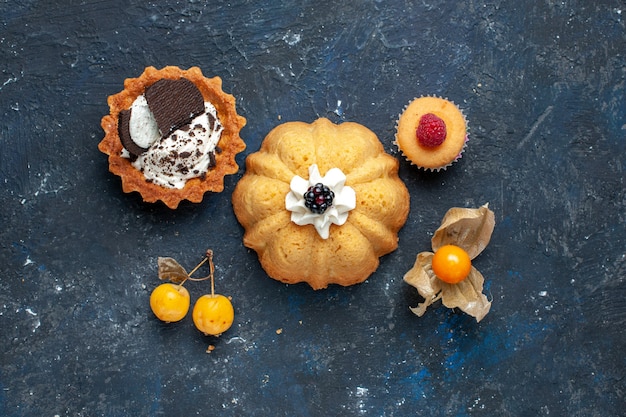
point(318, 198)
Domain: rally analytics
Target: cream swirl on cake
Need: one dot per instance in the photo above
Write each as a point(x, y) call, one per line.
point(320, 201)
point(170, 133)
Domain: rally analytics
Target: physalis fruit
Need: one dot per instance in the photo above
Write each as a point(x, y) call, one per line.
point(448, 274)
point(451, 264)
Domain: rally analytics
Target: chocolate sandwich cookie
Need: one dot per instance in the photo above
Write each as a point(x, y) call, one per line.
point(123, 127)
point(174, 103)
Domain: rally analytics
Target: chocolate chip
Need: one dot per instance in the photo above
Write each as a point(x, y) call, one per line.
point(211, 121)
point(174, 103)
point(123, 129)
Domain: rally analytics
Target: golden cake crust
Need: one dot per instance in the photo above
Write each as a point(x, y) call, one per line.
point(431, 158)
point(292, 253)
point(230, 142)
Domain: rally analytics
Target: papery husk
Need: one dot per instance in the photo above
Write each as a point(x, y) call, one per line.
point(422, 277)
point(470, 229)
point(466, 295)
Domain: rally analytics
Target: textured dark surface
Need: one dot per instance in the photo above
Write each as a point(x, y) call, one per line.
point(542, 84)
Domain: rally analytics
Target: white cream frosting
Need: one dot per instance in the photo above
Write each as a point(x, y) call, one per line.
point(186, 153)
point(142, 126)
point(337, 213)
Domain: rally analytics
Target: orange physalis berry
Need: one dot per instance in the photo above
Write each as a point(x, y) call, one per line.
point(451, 264)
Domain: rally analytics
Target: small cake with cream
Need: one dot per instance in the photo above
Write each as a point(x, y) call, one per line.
point(172, 135)
point(321, 203)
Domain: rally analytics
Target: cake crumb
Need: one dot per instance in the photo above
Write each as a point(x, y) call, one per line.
point(279, 331)
point(210, 349)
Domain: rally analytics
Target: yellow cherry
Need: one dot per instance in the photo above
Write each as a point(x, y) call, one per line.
point(169, 302)
point(213, 314)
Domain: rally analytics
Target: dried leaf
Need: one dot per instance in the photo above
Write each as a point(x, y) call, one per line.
point(171, 270)
point(469, 229)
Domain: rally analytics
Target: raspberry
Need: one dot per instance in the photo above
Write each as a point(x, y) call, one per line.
point(431, 130)
point(318, 198)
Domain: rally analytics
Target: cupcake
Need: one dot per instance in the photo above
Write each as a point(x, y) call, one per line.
point(431, 133)
point(321, 203)
point(172, 135)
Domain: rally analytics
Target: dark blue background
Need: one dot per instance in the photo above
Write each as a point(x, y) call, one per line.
point(542, 84)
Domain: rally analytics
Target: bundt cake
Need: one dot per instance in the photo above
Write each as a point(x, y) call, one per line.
point(320, 203)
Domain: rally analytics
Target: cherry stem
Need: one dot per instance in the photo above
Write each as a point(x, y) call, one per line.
point(198, 266)
point(207, 257)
